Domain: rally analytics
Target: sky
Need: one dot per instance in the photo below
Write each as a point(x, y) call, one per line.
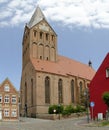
point(82, 27)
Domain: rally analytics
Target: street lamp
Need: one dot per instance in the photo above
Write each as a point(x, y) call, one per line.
point(86, 94)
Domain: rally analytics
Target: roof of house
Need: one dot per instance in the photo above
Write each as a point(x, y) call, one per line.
point(36, 18)
point(64, 66)
point(100, 76)
point(7, 80)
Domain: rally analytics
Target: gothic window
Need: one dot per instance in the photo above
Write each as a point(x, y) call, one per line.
point(52, 37)
point(60, 91)
point(25, 92)
point(40, 51)
point(47, 35)
point(34, 50)
point(52, 54)
point(72, 91)
point(32, 91)
point(80, 90)
point(80, 86)
point(47, 50)
point(35, 33)
point(41, 35)
point(47, 90)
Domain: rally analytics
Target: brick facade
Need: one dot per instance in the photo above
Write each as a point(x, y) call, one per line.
point(8, 101)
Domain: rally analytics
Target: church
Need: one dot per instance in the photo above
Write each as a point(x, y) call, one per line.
point(48, 78)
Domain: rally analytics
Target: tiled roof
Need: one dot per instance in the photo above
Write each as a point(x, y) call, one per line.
point(64, 66)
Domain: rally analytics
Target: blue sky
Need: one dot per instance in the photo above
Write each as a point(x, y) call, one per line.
point(82, 27)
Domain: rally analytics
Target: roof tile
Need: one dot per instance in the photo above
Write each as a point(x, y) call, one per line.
point(64, 66)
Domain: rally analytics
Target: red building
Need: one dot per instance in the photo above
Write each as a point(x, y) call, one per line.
point(99, 85)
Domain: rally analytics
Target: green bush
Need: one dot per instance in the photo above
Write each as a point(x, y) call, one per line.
point(65, 111)
point(68, 110)
point(52, 108)
point(58, 108)
point(105, 123)
point(79, 109)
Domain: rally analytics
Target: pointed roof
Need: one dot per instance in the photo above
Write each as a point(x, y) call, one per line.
point(7, 80)
point(36, 18)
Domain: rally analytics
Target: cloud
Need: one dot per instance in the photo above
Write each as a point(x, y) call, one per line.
point(3, 1)
point(16, 12)
point(70, 13)
point(79, 13)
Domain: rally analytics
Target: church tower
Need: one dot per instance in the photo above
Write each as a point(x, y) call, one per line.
point(40, 40)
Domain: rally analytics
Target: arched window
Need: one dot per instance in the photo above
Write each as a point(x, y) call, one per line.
point(35, 33)
point(47, 50)
point(80, 86)
point(40, 51)
point(52, 37)
point(80, 90)
point(72, 91)
point(32, 96)
point(47, 90)
point(53, 54)
point(47, 36)
point(25, 93)
point(41, 35)
point(60, 91)
point(34, 49)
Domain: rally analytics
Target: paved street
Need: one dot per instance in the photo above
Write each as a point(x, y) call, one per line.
point(39, 124)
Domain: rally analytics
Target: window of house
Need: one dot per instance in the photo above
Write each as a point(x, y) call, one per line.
point(41, 35)
point(107, 73)
point(81, 87)
point(52, 37)
point(14, 113)
point(6, 112)
point(60, 91)
point(14, 100)
point(6, 99)
point(80, 91)
point(47, 90)
point(0, 98)
point(47, 35)
point(6, 88)
point(72, 91)
point(35, 33)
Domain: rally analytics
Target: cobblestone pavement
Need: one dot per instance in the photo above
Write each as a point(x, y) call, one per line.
point(39, 124)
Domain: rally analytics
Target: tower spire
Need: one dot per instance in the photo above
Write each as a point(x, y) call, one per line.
point(36, 18)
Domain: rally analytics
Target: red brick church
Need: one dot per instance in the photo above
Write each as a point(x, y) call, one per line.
point(48, 78)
